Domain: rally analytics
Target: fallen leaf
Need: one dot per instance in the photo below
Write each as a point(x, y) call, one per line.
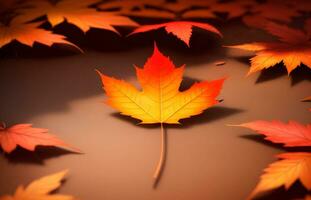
point(292, 134)
point(160, 100)
point(74, 12)
point(308, 197)
point(292, 167)
point(40, 189)
point(293, 49)
point(137, 8)
point(181, 29)
point(27, 137)
point(28, 34)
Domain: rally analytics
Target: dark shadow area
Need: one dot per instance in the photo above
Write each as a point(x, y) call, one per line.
point(271, 73)
point(296, 191)
point(261, 139)
point(301, 73)
point(32, 89)
point(37, 157)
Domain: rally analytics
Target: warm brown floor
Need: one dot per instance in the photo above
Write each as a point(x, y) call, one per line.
point(206, 159)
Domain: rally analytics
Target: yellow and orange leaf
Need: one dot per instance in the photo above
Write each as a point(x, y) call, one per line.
point(27, 137)
point(74, 12)
point(285, 172)
point(40, 189)
point(293, 49)
point(28, 34)
point(160, 101)
point(181, 29)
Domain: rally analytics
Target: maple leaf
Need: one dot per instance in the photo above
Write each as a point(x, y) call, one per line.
point(293, 49)
point(292, 134)
point(29, 138)
point(181, 29)
point(160, 101)
point(138, 8)
point(40, 189)
point(292, 167)
point(74, 12)
point(28, 34)
point(276, 10)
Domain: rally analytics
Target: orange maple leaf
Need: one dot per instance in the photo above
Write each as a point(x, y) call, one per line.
point(137, 8)
point(292, 167)
point(40, 189)
point(293, 49)
point(27, 137)
point(181, 29)
point(292, 134)
point(28, 34)
point(160, 100)
point(74, 12)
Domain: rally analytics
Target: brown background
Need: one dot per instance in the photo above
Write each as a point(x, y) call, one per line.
point(206, 159)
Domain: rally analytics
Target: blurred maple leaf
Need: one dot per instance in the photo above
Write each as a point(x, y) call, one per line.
point(207, 9)
point(275, 10)
point(292, 134)
point(74, 12)
point(40, 189)
point(292, 167)
point(231, 8)
point(137, 8)
point(29, 138)
point(160, 100)
point(293, 48)
point(181, 29)
point(28, 34)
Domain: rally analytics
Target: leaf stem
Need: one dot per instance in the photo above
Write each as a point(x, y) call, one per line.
point(160, 165)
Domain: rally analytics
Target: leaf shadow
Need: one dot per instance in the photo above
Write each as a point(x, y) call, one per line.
point(296, 191)
point(301, 73)
point(37, 157)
